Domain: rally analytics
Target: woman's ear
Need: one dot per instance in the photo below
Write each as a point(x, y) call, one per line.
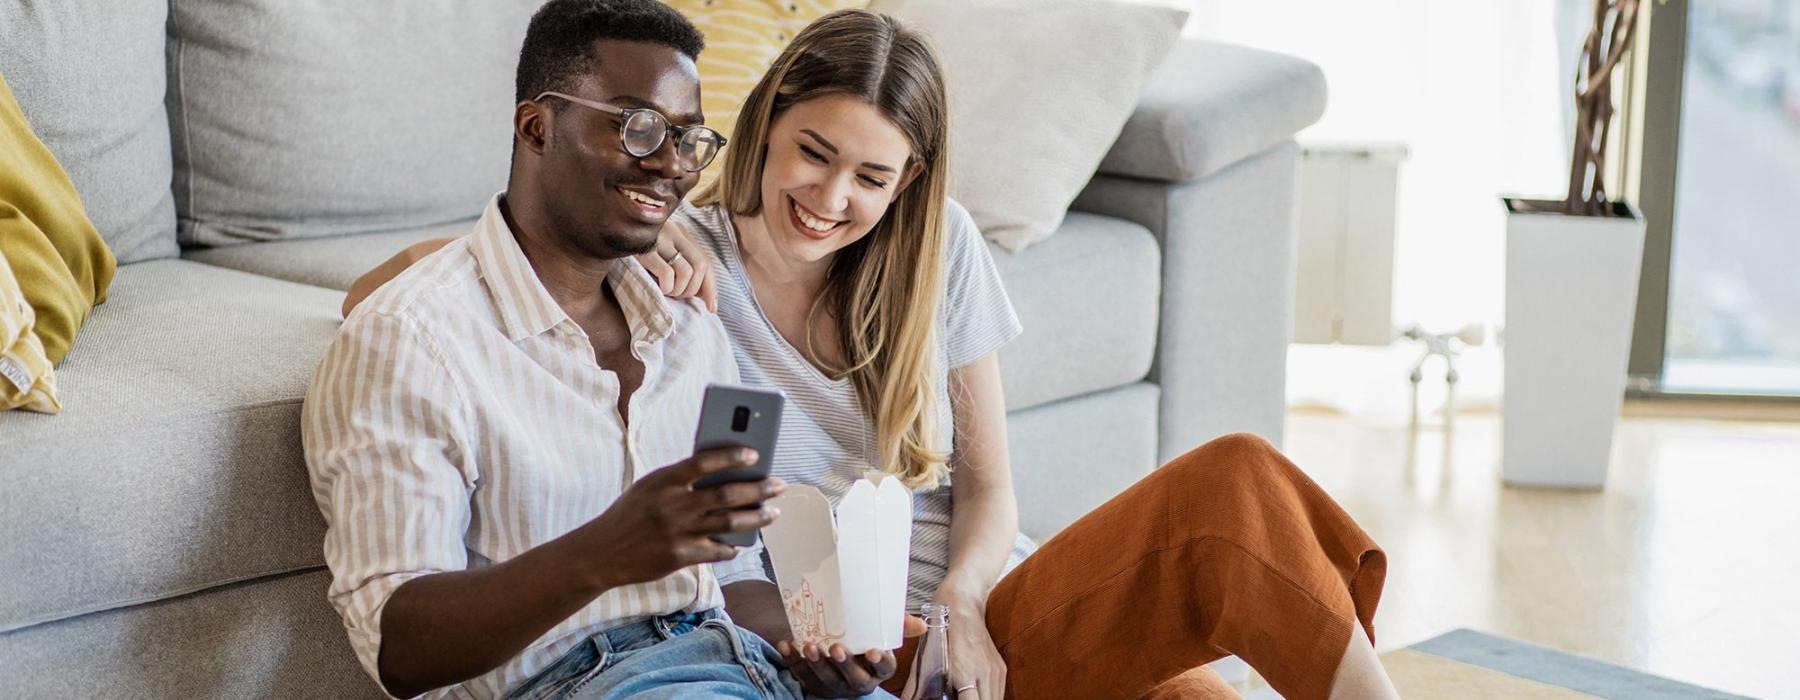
point(912, 173)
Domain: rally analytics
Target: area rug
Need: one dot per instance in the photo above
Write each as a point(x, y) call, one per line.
point(1470, 664)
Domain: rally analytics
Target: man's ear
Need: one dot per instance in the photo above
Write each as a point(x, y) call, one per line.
point(531, 126)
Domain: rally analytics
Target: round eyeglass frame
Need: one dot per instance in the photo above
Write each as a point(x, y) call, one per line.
point(626, 115)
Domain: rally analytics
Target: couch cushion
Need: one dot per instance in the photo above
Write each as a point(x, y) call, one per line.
point(297, 119)
point(1088, 300)
point(1104, 280)
point(176, 463)
point(273, 638)
point(89, 76)
point(1103, 441)
point(1211, 105)
point(332, 262)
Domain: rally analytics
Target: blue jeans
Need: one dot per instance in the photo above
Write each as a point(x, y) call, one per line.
point(675, 656)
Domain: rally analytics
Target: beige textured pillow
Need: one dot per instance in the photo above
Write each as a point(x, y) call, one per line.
point(1039, 90)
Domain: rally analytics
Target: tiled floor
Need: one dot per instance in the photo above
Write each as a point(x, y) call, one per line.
point(1687, 565)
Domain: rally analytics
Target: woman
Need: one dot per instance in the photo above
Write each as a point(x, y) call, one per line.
point(835, 252)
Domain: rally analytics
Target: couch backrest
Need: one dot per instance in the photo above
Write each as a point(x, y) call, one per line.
point(89, 76)
point(303, 119)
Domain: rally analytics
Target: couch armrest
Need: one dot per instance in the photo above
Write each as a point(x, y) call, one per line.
point(1210, 105)
point(1226, 312)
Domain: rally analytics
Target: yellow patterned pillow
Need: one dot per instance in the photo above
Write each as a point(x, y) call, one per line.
point(26, 379)
point(54, 254)
point(743, 37)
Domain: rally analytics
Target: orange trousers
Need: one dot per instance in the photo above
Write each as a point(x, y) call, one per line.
point(1229, 549)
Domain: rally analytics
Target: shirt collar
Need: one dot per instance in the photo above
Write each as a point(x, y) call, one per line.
point(526, 307)
point(647, 311)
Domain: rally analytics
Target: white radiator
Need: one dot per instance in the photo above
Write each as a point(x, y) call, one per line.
point(1344, 288)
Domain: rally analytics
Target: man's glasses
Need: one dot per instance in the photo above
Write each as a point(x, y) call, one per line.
point(642, 131)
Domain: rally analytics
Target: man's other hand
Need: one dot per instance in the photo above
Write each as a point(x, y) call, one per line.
point(835, 673)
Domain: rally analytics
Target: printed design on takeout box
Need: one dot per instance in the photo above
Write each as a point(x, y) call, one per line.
point(806, 614)
point(842, 571)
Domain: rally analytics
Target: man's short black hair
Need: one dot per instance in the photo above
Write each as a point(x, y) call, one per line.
point(559, 42)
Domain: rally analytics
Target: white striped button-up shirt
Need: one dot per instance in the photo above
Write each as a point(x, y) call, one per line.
point(460, 419)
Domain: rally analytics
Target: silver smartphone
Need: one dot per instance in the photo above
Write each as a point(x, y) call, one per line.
point(737, 416)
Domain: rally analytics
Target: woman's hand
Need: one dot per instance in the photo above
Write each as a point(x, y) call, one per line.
point(983, 528)
point(975, 662)
point(681, 267)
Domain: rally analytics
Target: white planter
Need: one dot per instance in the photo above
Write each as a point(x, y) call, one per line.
point(1571, 295)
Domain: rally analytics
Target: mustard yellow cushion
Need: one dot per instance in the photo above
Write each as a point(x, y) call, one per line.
point(26, 379)
point(60, 263)
point(743, 37)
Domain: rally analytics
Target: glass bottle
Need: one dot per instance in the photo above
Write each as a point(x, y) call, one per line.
point(930, 679)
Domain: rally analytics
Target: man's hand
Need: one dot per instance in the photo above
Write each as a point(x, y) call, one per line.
point(831, 672)
point(662, 523)
point(447, 627)
point(836, 673)
point(681, 267)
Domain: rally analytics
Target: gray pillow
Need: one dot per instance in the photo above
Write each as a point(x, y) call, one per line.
point(304, 119)
point(89, 76)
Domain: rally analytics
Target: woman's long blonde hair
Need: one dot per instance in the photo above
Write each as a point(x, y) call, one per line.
point(884, 290)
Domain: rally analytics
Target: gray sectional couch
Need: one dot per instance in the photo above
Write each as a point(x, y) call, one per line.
point(158, 538)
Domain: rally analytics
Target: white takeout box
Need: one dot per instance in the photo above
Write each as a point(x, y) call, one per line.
point(843, 578)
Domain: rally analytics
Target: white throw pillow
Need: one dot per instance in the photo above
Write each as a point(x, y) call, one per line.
point(1039, 90)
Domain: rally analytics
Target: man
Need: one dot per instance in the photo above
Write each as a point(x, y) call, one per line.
point(483, 435)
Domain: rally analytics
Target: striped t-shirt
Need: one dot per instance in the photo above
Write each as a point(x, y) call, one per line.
point(460, 419)
point(827, 439)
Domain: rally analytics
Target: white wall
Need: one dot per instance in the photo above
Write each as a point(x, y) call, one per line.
point(1473, 89)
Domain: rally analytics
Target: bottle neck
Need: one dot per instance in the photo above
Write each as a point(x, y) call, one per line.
point(936, 616)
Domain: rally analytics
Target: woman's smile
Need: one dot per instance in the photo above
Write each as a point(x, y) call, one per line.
point(809, 224)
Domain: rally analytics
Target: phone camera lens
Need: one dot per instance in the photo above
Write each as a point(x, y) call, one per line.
point(740, 419)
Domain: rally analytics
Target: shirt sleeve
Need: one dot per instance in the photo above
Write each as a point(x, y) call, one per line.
point(746, 566)
point(977, 316)
point(379, 427)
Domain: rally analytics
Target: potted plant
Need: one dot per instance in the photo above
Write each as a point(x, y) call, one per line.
point(1571, 292)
